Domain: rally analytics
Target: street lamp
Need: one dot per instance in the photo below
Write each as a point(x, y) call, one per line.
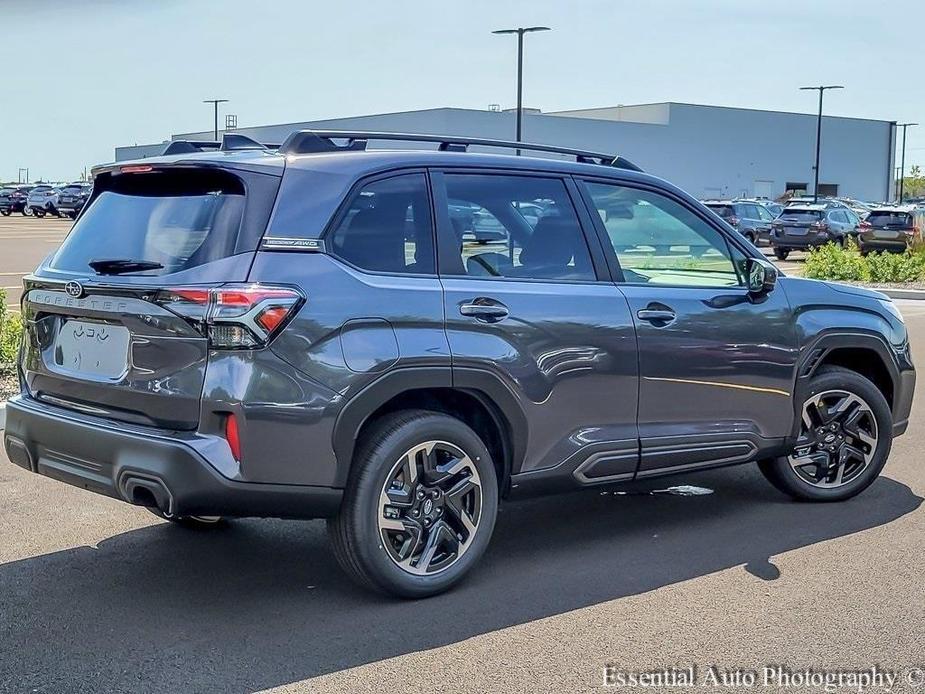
point(821, 89)
point(520, 31)
point(902, 170)
point(215, 103)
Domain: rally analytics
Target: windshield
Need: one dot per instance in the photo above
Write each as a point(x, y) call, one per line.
point(174, 221)
point(801, 215)
point(724, 211)
point(882, 219)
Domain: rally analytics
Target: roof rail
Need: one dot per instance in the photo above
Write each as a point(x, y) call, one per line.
point(231, 142)
point(314, 141)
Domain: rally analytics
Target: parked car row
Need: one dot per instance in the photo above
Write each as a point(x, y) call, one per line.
point(806, 223)
point(45, 199)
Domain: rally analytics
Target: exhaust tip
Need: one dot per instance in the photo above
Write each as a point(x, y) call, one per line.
point(145, 490)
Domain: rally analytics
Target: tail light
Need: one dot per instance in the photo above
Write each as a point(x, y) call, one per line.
point(734, 221)
point(865, 225)
point(234, 316)
point(821, 226)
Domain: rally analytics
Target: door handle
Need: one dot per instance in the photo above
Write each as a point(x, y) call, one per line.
point(485, 310)
point(656, 315)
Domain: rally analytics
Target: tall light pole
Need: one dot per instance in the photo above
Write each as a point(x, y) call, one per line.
point(520, 31)
point(821, 89)
point(902, 169)
point(215, 103)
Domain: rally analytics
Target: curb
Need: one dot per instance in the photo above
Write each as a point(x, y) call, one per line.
point(902, 293)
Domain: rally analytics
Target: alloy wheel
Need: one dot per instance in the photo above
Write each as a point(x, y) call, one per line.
point(838, 439)
point(429, 508)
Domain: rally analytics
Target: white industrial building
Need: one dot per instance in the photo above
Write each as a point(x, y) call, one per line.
point(710, 151)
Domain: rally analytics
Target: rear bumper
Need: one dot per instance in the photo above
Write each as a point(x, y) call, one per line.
point(155, 468)
point(808, 240)
point(869, 242)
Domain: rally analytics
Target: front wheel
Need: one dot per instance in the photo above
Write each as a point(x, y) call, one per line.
point(5, 213)
point(846, 432)
point(420, 505)
point(781, 253)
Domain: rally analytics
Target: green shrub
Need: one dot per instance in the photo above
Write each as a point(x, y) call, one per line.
point(10, 333)
point(831, 262)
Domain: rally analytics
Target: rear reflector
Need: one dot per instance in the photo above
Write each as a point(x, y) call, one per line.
point(232, 436)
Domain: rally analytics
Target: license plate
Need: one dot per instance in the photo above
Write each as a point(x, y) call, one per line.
point(795, 231)
point(92, 350)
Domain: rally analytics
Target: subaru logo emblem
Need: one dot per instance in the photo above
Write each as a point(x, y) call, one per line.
point(74, 289)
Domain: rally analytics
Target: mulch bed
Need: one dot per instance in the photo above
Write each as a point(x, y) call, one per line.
point(8, 383)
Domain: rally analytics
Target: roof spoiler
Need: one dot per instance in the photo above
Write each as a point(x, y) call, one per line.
point(316, 141)
point(231, 142)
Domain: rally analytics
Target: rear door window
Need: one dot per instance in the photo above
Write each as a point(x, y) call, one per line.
point(176, 220)
point(519, 227)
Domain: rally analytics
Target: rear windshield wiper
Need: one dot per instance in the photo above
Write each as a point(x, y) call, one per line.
point(117, 266)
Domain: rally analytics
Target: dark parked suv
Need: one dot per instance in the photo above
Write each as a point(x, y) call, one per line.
point(303, 332)
point(750, 219)
point(810, 226)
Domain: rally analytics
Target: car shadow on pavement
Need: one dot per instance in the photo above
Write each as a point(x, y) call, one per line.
point(262, 603)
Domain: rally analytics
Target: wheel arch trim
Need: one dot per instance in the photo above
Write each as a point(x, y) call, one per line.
point(484, 385)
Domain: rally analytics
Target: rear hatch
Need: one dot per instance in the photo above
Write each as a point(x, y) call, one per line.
point(116, 317)
point(889, 224)
point(799, 222)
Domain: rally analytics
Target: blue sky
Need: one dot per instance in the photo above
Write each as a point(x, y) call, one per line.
point(93, 74)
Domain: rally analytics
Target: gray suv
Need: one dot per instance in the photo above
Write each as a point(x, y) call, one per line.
point(302, 331)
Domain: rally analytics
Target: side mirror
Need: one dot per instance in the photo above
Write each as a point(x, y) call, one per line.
point(762, 275)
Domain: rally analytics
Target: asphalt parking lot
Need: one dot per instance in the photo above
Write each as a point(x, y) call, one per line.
point(24, 242)
point(98, 596)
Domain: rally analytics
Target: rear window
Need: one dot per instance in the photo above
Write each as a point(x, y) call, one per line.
point(724, 211)
point(179, 219)
point(882, 219)
point(801, 215)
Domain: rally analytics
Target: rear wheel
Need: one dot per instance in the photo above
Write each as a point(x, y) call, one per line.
point(420, 505)
point(5, 213)
point(38, 212)
point(845, 437)
point(751, 237)
point(781, 253)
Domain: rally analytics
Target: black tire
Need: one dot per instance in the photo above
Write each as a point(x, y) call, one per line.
point(5, 213)
point(38, 212)
point(781, 473)
point(751, 238)
point(356, 533)
point(839, 241)
point(72, 215)
point(191, 522)
point(781, 253)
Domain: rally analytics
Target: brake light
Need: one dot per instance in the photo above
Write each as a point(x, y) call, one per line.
point(233, 316)
point(865, 225)
point(822, 226)
point(233, 436)
point(136, 169)
point(734, 221)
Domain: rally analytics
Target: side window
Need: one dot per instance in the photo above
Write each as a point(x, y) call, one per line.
point(659, 241)
point(838, 216)
point(388, 228)
point(515, 226)
point(764, 214)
